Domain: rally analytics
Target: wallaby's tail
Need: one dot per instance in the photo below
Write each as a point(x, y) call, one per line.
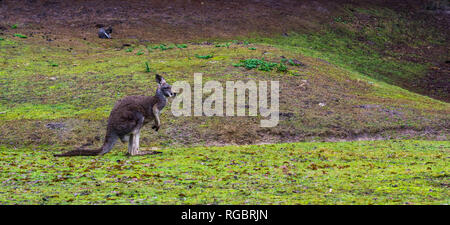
point(79, 152)
point(110, 140)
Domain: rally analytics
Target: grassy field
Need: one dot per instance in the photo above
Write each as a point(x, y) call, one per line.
point(359, 77)
point(365, 172)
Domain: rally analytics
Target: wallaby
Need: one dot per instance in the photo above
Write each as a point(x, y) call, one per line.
point(105, 33)
point(127, 118)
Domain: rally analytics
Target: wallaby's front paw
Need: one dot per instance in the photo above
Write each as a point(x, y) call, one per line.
point(156, 128)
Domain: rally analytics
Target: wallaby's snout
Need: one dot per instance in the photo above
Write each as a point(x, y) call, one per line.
point(168, 92)
point(171, 94)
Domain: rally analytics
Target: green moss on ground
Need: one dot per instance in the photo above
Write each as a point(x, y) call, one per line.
point(367, 172)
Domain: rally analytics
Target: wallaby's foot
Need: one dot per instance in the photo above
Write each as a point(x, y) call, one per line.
point(156, 128)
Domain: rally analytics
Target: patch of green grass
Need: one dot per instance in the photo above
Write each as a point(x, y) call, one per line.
point(147, 67)
point(163, 47)
point(366, 172)
point(14, 26)
point(259, 64)
point(53, 64)
point(281, 67)
point(204, 56)
point(130, 49)
point(36, 112)
point(222, 45)
point(20, 36)
point(182, 46)
point(140, 53)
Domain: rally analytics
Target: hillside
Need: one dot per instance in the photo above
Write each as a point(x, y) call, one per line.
point(44, 85)
point(405, 43)
point(369, 79)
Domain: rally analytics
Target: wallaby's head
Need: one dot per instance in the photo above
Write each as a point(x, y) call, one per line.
point(108, 30)
point(164, 87)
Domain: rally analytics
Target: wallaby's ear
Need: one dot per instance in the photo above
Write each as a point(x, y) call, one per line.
point(160, 79)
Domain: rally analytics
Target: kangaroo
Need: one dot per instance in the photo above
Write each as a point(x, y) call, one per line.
point(105, 33)
point(127, 118)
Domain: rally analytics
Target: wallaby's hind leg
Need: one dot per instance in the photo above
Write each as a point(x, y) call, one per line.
point(130, 144)
point(133, 142)
point(133, 145)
